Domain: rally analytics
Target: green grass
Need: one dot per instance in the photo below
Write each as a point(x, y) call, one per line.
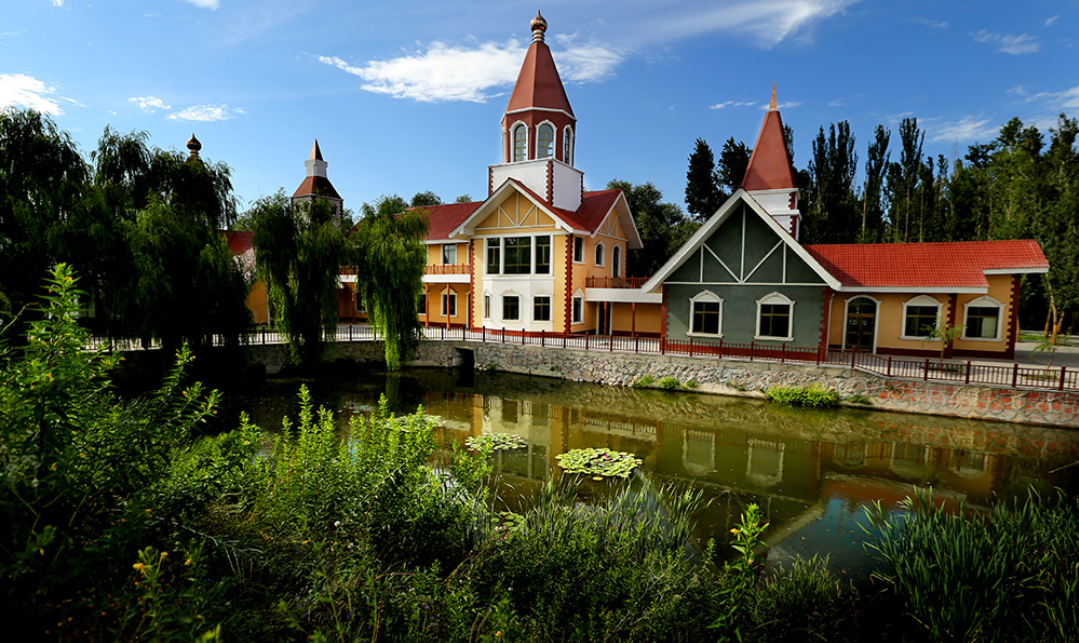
point(812, 397)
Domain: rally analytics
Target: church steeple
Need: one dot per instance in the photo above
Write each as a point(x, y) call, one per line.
point(769, 176)
point(317, 185)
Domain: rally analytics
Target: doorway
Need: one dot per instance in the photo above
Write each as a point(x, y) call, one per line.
point(861, 324)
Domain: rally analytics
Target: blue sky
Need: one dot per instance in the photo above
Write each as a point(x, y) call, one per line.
point(407, 96)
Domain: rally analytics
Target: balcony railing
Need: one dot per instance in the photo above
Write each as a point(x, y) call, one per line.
point(615, 282)
point(448, 269)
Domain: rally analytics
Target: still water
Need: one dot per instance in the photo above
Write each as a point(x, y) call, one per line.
point(812, 471)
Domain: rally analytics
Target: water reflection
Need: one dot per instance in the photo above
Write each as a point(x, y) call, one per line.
point(812, 472)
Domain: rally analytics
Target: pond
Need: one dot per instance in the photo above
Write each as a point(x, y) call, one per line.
point(813, 472)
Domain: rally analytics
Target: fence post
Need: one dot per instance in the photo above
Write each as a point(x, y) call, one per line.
point(752, 346)
point(637, 345)
point(691, 347)
point(586, 341)
point(853, 357)
point(1063, 370)
point(662, 345)
point(820, 349)
point(889, 371)
point(483, 334)
point(610, 342)
point(1015, 374)
point(543, 339)
point(925, 374)
point(565, 337)
point(782, 353)
point(968, 373)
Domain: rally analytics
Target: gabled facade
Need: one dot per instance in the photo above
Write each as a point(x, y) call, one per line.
point(526, 257)
point(744, 277)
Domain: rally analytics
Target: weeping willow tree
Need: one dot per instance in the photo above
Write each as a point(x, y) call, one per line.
point(299, 249)
point(390, 257)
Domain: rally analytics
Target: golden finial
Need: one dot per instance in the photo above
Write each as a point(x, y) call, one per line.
point(538, 25)
point(772, 105)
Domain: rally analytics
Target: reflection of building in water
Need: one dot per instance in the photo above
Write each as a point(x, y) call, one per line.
point(698, 452)
point(764, 464)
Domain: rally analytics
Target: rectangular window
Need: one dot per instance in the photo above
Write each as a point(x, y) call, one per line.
point(775, 320)
point(920, 321)
point(706, 317)
point(511, 307)
point(982, 322)
point(486, 306)
point(578, 310)
point(449, 254)
point(543, 255)
point(541, 309)
point(578, 249)
point(518, 256)
point(494, 256)
point(449, 304)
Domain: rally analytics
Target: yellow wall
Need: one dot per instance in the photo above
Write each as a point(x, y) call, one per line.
point(258, 303)
point(648, 319)
point(434, 254)
point(434, 314)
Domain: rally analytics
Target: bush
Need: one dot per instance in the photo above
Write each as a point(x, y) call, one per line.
point(669, 383)
point(859, 398)
point(804, 603)
point(644, 382)
point(812, 397)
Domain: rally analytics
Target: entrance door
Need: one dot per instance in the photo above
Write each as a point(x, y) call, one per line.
point(861, 323)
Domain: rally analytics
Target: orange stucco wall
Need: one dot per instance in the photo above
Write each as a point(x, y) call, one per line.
point(644, 319)
point(258, 303)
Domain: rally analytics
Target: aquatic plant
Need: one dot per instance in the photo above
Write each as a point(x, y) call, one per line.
point(599, 462)
point(496, 442)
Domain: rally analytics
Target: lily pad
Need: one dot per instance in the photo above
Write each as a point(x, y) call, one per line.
point(599, 462)
point(498, 441)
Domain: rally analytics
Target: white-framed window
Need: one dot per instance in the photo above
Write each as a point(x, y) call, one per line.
point(578, 249)
point(449, 254)
point(774, 315)
point(616, 262)
point(511, 307)
point(518, 260)
point(601, 259)
point(543, 255)
point(541, 308)
point(520, 142)
point(486, 305)
point(983, 319)
point(706, 315)
point(577, 308)
point(449, 303)
point(567, 145)
point(545, 141)
point(920, 316)
point(494, 256)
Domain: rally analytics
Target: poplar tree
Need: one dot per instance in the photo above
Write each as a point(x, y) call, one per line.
point(703, 194)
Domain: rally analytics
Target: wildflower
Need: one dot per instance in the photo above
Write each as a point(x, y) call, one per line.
point(187, 562)
point(139, 566)
point(164, 555)
point(736, 531)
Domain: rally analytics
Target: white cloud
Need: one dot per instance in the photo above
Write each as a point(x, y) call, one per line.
point(967, 128)
point(1009, 44)
point(732, 103)
point(20, 90)
point(212, 5)
point(149, 104)
point(472, 73)
point(57, 3)
point(1049, 21)
point(206, 113)
point(1018, 90)
point(788, 104)
point(1057, 101)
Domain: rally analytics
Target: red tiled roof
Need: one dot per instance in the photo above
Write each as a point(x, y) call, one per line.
point(239, 241)
point(538, 83)
point(443, 219)
point(957, 264)
point(317, 185)
point(769, 166)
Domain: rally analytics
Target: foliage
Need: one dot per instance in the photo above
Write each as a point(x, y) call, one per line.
point(804, 603)
point(859, 398)
point(831, 207)
point(944, 333)
point(1010, 574)
point(299, 251)
point(662, 226)
point(601, 462)
point(741, 574)
point(425, 199)
point(1050, 344)
point(733, 162)
point(812, 397)
point(669, 383)
point(703, 194)
point(390, 259)
point(496, 442)
point(644, 382)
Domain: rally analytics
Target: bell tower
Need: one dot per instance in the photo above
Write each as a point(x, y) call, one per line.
point(769, 177)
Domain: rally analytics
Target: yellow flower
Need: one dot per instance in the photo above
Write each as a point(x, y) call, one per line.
point(187, 562)
point(736, 531)
point(164, 555)
point(139, 566)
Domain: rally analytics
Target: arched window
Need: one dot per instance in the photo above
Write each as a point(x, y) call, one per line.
point(567, 145)
point(920, 316)
point(577, 316)
point(616, 262)
point(774, 314)
point(600, 258)
point(520, 142)
point(545, 141)
point(706, 314)
point(982, 319)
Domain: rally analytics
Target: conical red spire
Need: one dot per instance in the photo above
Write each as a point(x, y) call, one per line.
point(770, 166)
point(538, 83)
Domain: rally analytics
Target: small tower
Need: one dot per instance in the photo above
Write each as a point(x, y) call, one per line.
point(539, 130)
point(769, 176)
point(317, 185)
point(194, 146)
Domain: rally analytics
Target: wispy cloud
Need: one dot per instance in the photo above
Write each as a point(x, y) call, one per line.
point(206, 113)
point(1056, 101)
point(1051, 20)
point(149, 104)
point(732, 103)
point(57, 3)
point(212, 5)
point(20, 90)
point(968, 128)
point(933, 24)
point(1018, 90)
point(788, 105)
point(471, 72)
point(1009, 44)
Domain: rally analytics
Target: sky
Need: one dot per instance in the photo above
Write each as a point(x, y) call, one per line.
point(406, 96)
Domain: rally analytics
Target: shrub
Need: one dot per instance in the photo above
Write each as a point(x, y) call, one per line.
point(692, 384)
point(859, 398)
point(669, 383)
point(804, 603)
point(644, 382)
point(813, 397)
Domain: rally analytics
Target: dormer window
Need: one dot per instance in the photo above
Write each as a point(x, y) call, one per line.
point(545, 141)
point(567, 145)
point(520, 143)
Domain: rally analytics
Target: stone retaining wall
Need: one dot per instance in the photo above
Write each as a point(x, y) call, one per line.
point(746, 379)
